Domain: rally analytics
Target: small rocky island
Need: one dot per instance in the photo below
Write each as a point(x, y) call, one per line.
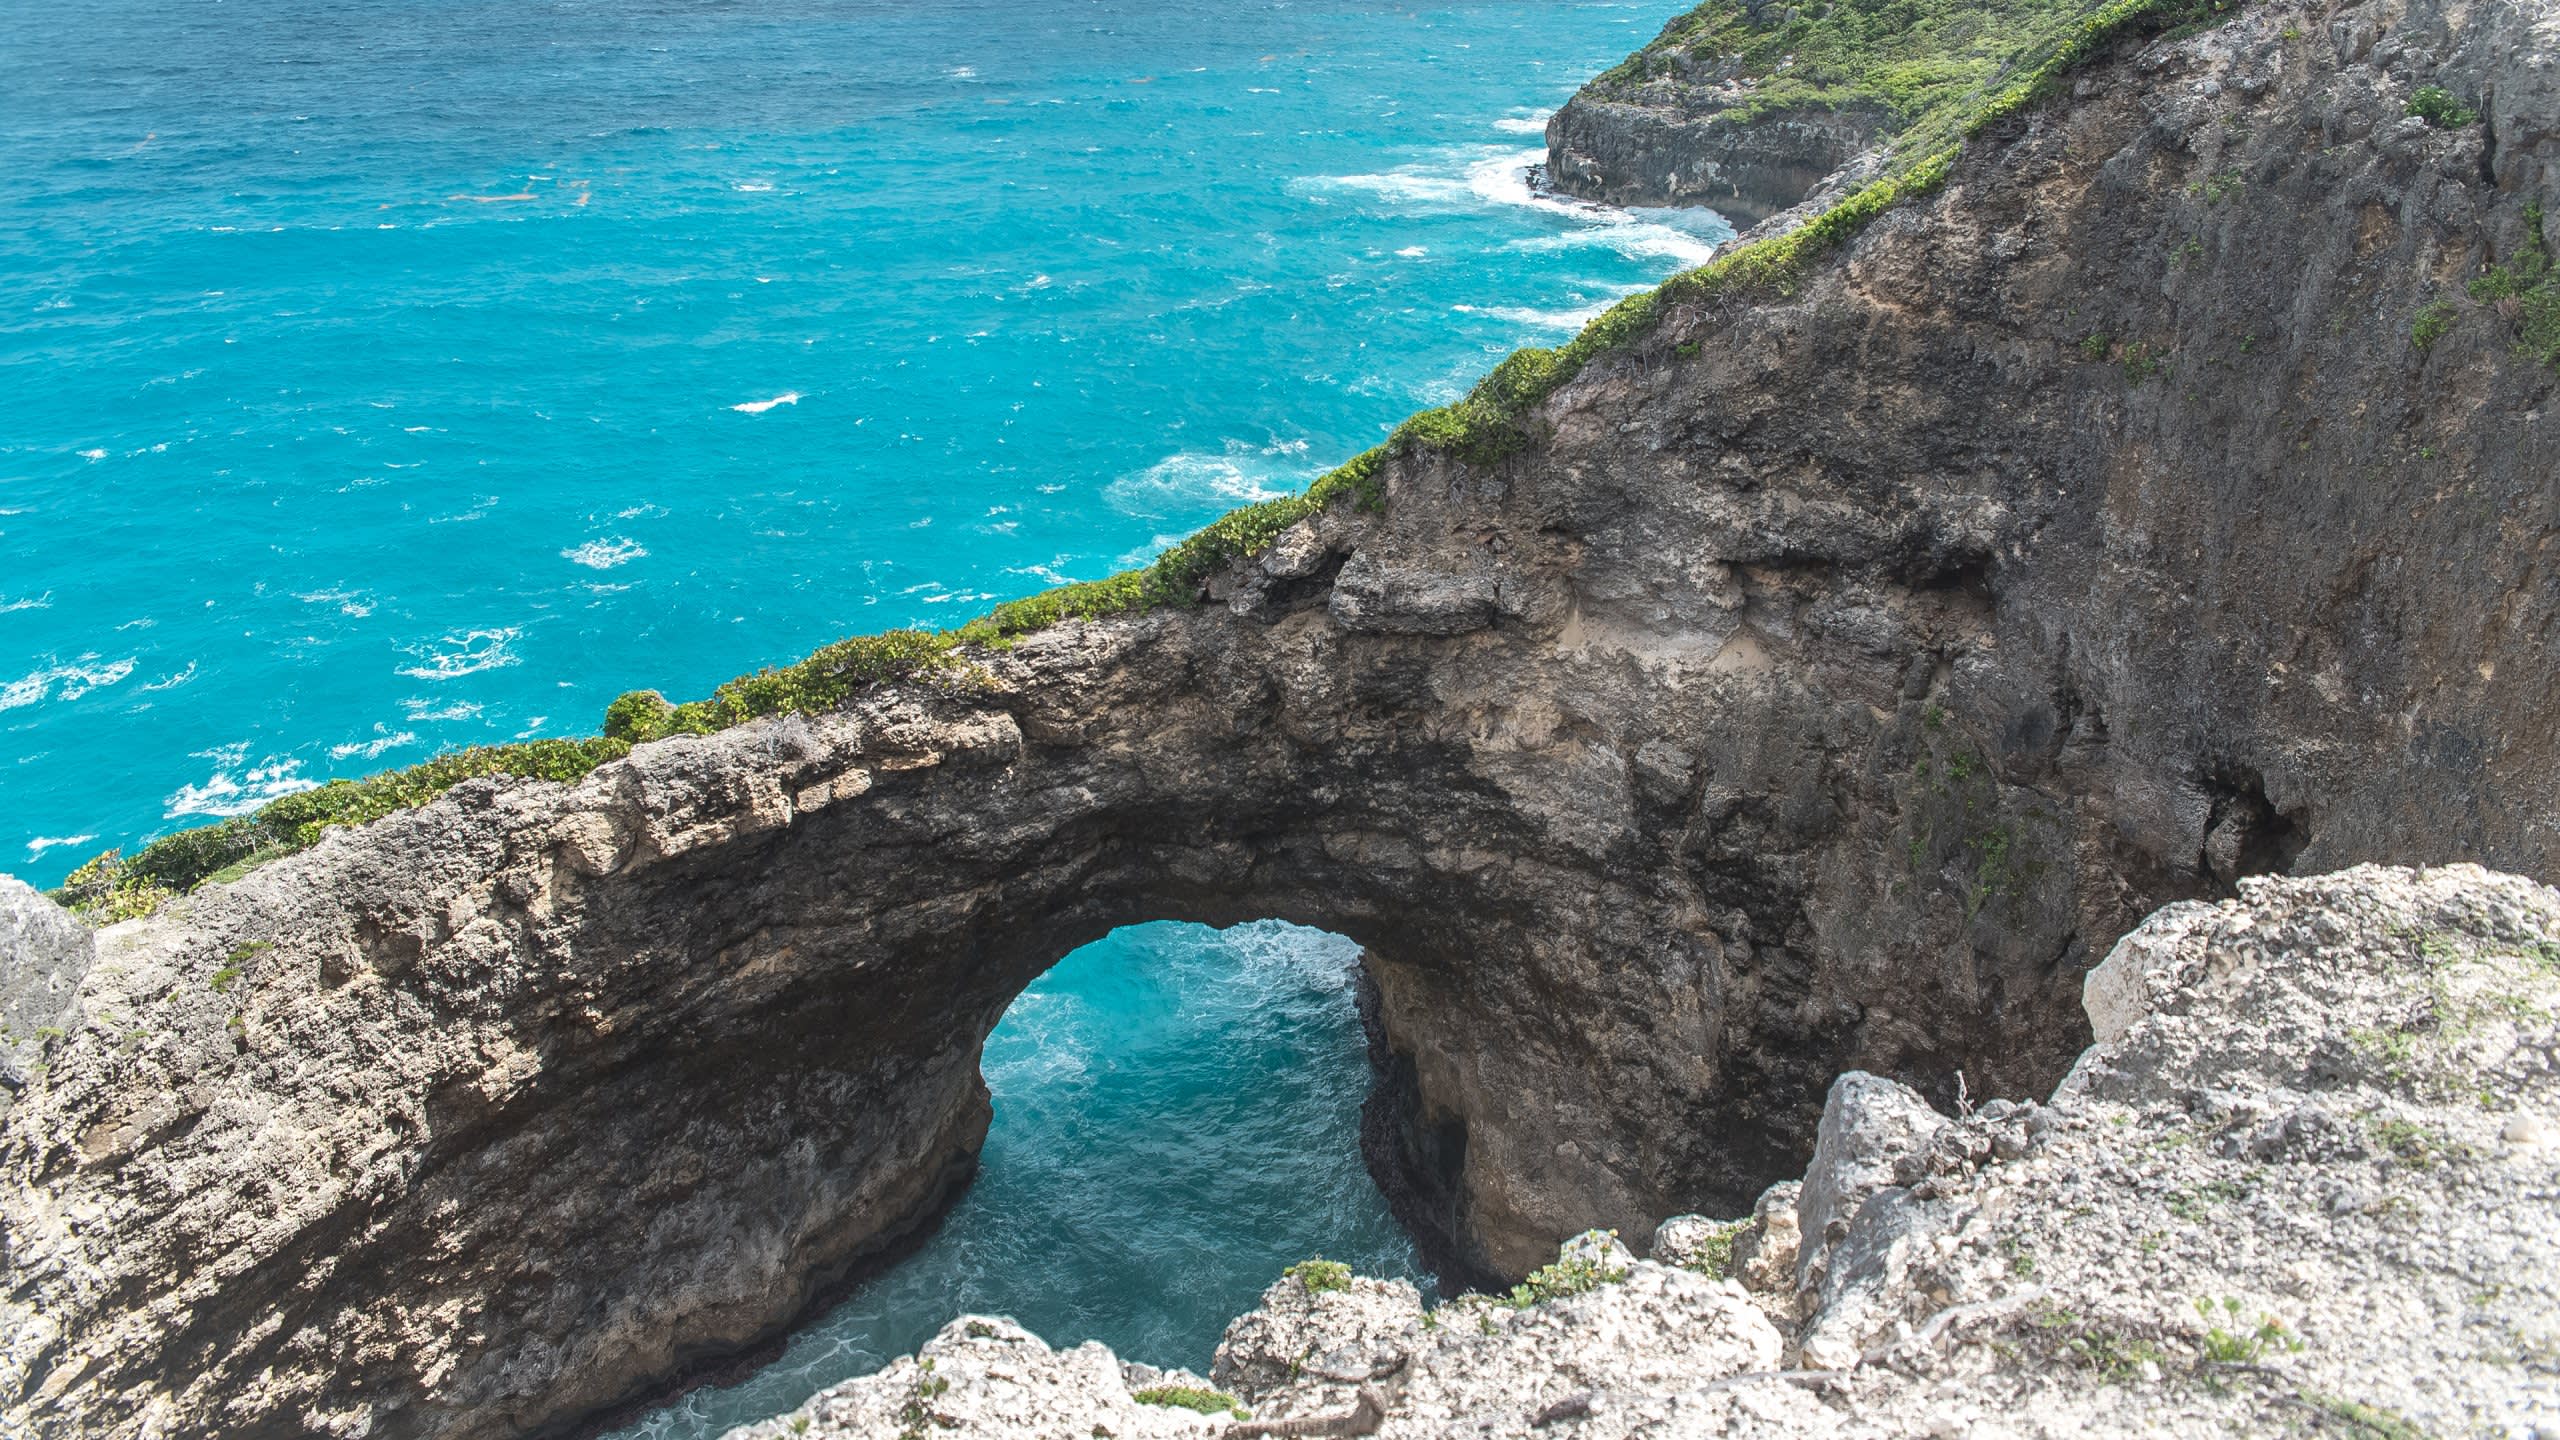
point(2122, 480)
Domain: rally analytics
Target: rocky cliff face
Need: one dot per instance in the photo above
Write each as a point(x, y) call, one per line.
point(1678, 143)
point(1829, 683)
point(2302, 1186)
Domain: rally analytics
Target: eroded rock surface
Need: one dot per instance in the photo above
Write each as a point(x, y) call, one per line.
point(2309, 1190)
point(1824, 685)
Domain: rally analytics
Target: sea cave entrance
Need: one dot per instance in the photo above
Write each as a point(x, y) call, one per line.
point(1177, 1116)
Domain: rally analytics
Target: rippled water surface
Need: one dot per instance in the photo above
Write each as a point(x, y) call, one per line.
point(1176, 1121)
point(385, 377)
point(391, 376)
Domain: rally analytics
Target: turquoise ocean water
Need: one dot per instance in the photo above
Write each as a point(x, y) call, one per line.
point(381, 378)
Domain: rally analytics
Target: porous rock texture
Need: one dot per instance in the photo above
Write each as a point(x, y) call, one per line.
point(1694, 139)
point(1822, 684)
point(2308, 1187)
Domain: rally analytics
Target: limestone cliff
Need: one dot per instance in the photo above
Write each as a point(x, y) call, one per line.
point(2300, 1187)
point(1820, 680)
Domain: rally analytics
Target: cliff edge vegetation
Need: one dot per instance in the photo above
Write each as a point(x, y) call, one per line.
point(1493, 421)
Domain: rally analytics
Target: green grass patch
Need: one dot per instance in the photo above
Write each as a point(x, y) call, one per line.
point(2525, 291)
point(1189, 1397)
point(1928, 71)
point(1562, 1280)
point(1320, 1276)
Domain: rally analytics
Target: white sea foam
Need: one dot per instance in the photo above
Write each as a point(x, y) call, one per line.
point(358, 603)
point(468, 653)
point(42, 843)
point(1188, 483)
point(1476, 176)
point(1414, 252)
point(758, 407)
point(27, 602)
point(93, 454)
point(373, 749)
point(428, 710)
point(1522, 124)
point(64, 682)
point(172, 682)
point(753, 187)
point(227, 794)
point(1568, 319)
point(605, 554)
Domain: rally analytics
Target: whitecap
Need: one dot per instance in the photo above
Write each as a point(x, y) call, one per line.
point(358, 603)
point(605, 554)
point(429, 710)
point(42, 843)
point(469, 653)
point(1190, 482)
point(28, 602)
point(758, 407)
point(1522, 124)
point(373, 749)
point(1414, 252)
point(93, 454)
point(1569, 319)
point(752, 187)
point(226, 794)
point(64, 682)
point(172, 682)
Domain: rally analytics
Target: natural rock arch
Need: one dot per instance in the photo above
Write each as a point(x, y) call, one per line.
point(1824, 681)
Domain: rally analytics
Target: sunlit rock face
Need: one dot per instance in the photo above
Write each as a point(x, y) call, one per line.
point(1824, 683)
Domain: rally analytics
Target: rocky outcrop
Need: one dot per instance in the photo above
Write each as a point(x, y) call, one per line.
point(1673, 143)
point(2304, 1189)
point(1822, 685)
point(46, 953)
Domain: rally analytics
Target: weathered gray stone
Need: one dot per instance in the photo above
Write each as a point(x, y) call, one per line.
point(2126, 1278)
point(1869, 1125)
point(44, 952)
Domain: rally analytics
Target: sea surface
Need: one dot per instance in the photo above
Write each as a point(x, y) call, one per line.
point(379, 378)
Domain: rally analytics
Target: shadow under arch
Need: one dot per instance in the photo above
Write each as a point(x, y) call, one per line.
point(1176, 1119)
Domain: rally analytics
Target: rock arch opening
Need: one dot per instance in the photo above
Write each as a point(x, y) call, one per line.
point(1176, 1117)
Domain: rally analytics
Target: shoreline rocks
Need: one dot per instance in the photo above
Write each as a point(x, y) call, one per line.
point(2173, 1245)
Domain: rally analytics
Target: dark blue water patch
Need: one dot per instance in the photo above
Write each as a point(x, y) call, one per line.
point(1176, 1121)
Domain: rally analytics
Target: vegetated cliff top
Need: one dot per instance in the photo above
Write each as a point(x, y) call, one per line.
point(1919, 65)
point(2047, 40)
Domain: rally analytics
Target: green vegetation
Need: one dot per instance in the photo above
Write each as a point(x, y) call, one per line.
point(2372, 1420)
point(1714, 1258)
point(2413, 1143)
point(111, 888)
point(2436, 105)
point(2525, 291)
point(2114, 1354)
point(2241, 1347)
point(1923, 68)
point(1947, 71)
point(1190, 1397)
point(1564, 1279)
point(2431, 325)
point(1318, 1276)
